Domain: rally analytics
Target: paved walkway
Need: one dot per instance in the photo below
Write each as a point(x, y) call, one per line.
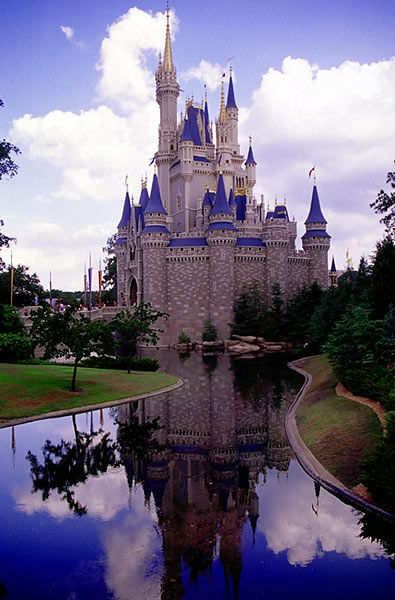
point(309, 462)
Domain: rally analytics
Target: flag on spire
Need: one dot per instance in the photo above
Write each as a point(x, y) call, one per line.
point(311, 170)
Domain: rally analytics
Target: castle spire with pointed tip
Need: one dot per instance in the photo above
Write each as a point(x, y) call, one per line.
point(168, 66)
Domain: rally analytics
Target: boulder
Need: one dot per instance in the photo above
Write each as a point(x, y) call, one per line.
point(249, 339)
point(212, 345)
point(243, 348)
point(229, 343)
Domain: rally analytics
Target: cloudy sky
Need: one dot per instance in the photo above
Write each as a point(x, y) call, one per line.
point(315, 84)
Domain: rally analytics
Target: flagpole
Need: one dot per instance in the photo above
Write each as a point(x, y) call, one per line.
point(100, 278)
point(90, 281)
point(50, 289)
point(85, 285)
point(11, 282)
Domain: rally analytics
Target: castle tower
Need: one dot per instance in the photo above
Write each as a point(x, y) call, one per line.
point(167, 92)
point(316, 241)
point(154, 239)
point(232, 118)
point(223, 146)
point(251, 181)
point(333, 274)
point(277, 240)
point(186, 168)
point(121, 250)
point(221, 238)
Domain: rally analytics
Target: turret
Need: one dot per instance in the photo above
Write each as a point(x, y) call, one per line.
point(251, 180)
point(316, 241)
point(232, 117)
point(167, 92)
point(121, 248)
point(186, 167)
point(333, 273)
point(232, 203)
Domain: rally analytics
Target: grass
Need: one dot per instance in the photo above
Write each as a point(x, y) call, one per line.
point(28, 390)
point(338, 431)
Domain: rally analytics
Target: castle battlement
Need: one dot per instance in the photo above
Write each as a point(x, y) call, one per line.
point(190, 245)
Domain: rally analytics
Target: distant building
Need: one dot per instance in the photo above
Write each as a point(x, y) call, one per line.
point(191, 243)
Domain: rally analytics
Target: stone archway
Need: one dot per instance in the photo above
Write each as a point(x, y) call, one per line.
point(133, 292)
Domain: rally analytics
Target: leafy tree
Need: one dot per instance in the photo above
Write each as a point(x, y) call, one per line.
point(385, 205)
point(7, 165)
point(14, 343)
point(70, 335)
point(110, 270)
point(382, 286)
point(26, 286)
point(249, 311)
point(136, 327)
point(209, 331)
point(300, 311)
point(10, 320)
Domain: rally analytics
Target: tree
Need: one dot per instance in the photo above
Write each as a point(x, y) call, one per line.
point(7, 165)
point(382, 287)
point(300, 311)
point(209, 331)
point(136, 327)
point(385, 205)
point(70, 335)
point(14, 343)
point(26, 286)
point(249, 310)
point(110, 270)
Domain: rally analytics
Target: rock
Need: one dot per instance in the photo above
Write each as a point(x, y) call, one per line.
point(229, 343)
point(249, 339)
point(213, 345)
point(260, 340)
point(273, 348)
point(243, 348)
point(181, 347)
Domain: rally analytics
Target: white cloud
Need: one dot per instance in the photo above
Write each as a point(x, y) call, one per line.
point(207, 72)
point(68, 31)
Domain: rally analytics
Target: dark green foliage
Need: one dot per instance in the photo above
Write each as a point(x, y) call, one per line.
point(70, 335)
point(121, 363)
point(14, 346)
point(110, 271)
point(26, 287)
point(136, 327)
point(379, 467)
point(7, 166)
point(209, 333)
point(385, 205)
point(382, 288)
point(249, 311)
point(10, 321)
point(300, 311)
point(183, 338)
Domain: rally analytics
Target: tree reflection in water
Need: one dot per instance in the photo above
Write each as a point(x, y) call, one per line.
point(67, 464)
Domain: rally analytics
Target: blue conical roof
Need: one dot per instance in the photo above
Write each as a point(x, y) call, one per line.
point(315, 214)
point(186, 132)
point(250, 158)
point(208, 198)
point(220, 205)
point(206, 123)
point(333, 267)
point(125, 219)
point(231, 102)
point(154, 204)
point(232, 199)
point(144, 198)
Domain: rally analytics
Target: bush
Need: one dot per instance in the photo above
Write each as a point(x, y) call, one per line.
point(14, 346)
point(121, 363)
point(209, 331)
point(183, 338)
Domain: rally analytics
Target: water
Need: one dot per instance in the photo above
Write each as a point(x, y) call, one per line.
point(221, 510)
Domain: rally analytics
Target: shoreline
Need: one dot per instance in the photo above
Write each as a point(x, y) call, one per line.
point(90, 407)
point(309, 462)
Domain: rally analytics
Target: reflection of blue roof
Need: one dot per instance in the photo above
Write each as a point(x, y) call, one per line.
point(125, 219)
point(155, 229)
point(221, 225)
point(257, 242)
point(315, 233)
point(221, 206)
point(251, 447)
point(231, 102)
point(315, 214)
point(187, 242)
point(154, 204)
point(121, 240)
point(189, 449)
point(241, 203)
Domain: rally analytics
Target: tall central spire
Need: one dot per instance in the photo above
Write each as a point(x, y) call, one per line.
point(168, 66)
point(222, 110)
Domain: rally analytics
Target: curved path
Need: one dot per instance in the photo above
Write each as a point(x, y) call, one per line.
point(90, 407)
point(309, 462)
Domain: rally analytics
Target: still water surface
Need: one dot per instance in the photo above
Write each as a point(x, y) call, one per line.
point(218, 508)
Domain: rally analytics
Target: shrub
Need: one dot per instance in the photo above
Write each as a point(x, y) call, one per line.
point(183, 338)
point(209, 331)
point(14, 346)
point(121, 363)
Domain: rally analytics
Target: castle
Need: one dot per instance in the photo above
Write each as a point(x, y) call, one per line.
point(190, 245)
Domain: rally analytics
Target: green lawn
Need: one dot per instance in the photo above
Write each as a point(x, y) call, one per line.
point(338, 431)
point(27, 390)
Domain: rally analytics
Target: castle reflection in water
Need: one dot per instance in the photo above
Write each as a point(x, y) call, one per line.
point(219, 432)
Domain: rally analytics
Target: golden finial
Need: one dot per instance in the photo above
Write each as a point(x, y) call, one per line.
point(146, 176)
point(168, 58)
point(142, 182)
point(250, 139)
point(155, 173)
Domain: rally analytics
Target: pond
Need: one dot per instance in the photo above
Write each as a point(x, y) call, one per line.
point(189, 495)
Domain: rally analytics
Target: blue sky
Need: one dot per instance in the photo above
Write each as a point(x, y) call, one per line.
point(315, 84)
